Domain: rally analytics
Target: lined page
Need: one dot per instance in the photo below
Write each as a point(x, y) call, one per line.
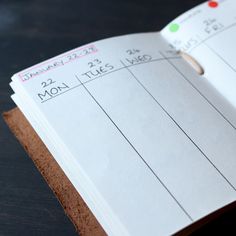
point(136, 138)
point(208, 33)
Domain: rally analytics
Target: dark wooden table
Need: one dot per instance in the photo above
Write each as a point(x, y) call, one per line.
point(32, 31)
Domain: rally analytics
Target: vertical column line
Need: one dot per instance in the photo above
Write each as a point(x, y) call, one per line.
point(143, 160)
point(175, 122)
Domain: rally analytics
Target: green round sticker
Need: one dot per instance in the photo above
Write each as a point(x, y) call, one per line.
point(174, 27)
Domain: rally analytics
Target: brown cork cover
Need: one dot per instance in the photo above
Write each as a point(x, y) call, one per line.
point(74, 206)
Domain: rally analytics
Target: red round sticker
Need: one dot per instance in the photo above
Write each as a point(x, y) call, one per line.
point(213, 4)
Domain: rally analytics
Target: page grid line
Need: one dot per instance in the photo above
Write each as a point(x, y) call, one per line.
point(211, 36)
point(231, 185)
point(113, 71)
point(140, 156)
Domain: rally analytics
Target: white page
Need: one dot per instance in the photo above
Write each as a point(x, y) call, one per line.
point(121, 110)
point(208, 33)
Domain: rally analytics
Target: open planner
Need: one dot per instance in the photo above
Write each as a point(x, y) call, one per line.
point(148, 143)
